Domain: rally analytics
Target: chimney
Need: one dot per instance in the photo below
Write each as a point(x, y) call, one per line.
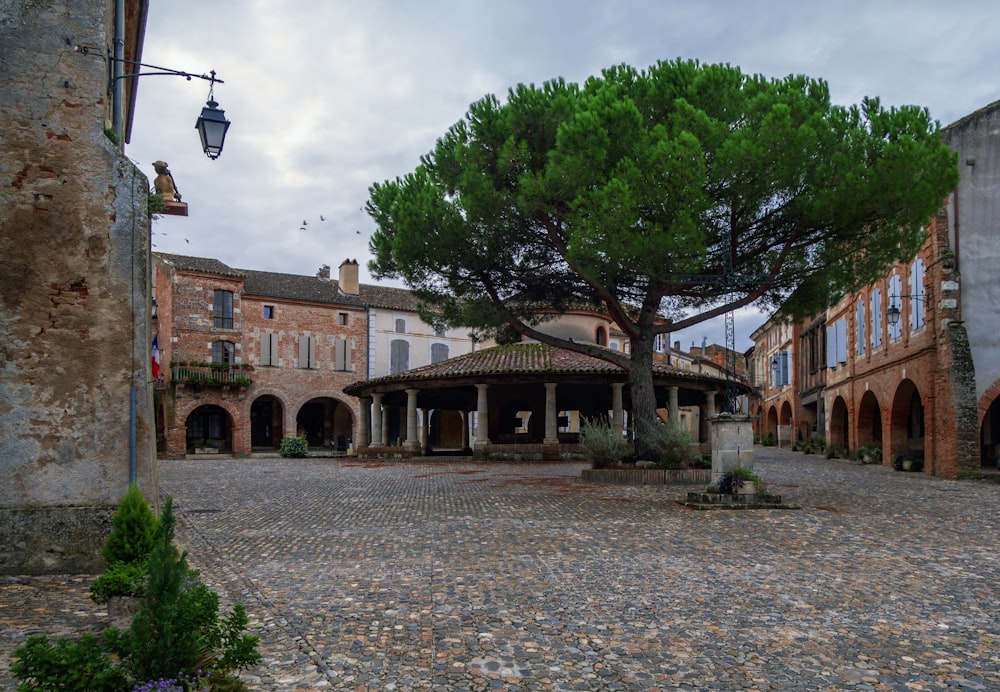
point(324, 272)
point(349, 277)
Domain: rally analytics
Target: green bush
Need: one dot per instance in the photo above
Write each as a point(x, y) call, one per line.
point(127, 547)
point(602, 444)
point(133, 529)
point(293, 446)
point(672, 444)
point(178, 634)
point(66, 665)
point(769, 440)
point(178, 628)
point(120, 579)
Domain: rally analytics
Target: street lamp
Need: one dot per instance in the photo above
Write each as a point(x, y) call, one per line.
point(212, 124)
point(893, 313)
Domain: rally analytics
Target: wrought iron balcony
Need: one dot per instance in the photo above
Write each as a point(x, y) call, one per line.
point(211, 374)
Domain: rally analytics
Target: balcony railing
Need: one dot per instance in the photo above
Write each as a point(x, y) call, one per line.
point(211, 374)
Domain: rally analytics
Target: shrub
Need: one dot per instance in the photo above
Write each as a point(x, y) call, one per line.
point(672, 444)
point(732, 481)
point(769, 440)
point(127, 547)
point(133, 529)
point(601, 444)
point(66, 665)
point(293, 446)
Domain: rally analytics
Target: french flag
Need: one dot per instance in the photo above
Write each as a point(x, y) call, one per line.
point(156, 358)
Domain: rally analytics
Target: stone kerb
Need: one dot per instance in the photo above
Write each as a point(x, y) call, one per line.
point(732, 444)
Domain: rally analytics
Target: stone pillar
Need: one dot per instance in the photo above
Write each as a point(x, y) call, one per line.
point(551, 415)
point(425, 431)
point(364, 420)
point(675, 413)
point(411, 443)
point(377, 419)
point(707, 411)
point(617, 413)
point(482, 417)
point(732, 443)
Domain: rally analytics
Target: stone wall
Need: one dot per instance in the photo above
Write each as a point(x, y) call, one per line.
point(74, 253)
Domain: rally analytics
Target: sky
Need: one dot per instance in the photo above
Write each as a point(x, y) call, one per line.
point(327, 97)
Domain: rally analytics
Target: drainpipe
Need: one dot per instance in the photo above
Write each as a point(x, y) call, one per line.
point(117, 86)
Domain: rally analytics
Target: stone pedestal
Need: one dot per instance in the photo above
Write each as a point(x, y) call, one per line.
point(732, 443)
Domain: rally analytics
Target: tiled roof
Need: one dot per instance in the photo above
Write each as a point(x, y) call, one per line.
point(199, 264)
point(516, 359)
point(299, 287)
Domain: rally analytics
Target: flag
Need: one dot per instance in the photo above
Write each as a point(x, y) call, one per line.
point(156, 358)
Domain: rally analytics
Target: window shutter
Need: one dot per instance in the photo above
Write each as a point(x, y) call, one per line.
point(347, 354)
point(842, 341)
point(339, 344)
point(831, 347)
point(265, 348)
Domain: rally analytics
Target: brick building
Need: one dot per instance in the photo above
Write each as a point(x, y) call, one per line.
point(249, 357)
point(909, 365)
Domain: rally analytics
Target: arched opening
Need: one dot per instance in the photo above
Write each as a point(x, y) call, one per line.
point(771, 431)
point(601, 337)
point(209, 427)
point(266, 422)
point(839, 424)
point(325, 422)
point(989, 437)
point(869, 421)
point(907, 421)
point(785, 425)
point(445, 430)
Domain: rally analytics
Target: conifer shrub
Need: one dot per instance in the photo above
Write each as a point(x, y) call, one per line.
point(127, 547)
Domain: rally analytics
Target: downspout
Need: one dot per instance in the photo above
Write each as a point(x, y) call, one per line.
point(118, 70)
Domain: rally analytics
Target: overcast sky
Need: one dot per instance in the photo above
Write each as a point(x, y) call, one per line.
point(326, 97)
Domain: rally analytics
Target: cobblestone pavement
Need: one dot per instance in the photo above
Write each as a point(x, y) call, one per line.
point(464, 576)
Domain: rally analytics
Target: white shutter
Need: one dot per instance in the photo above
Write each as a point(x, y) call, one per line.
point(265, 348)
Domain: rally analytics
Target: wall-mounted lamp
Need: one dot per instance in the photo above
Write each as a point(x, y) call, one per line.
point(893, 313)
point(152, 309)
point(211, 124)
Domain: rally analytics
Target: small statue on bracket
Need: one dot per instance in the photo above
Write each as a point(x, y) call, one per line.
point(164, 182)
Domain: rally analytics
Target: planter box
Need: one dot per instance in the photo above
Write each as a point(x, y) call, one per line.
point(641, 476)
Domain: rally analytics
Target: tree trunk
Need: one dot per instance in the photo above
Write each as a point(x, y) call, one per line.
point(643, 397)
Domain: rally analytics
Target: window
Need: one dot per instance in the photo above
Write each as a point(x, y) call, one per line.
point(268, 349)
point(659, 343)
point(895, 290)
point(602, 337)
point(342, 318)
point(439, 352)
point(399, 355)
point(521, 419)
point(342, 354)
point(780, 375)
point(268, 312)
point(917, 294)
point(568, 422)
point(223, 352)
point(307, 352)
point(859, 324)
point(400, 325)
point(222, 309)
point(876, 318)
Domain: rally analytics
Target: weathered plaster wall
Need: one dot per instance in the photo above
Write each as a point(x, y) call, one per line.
point(74, 335)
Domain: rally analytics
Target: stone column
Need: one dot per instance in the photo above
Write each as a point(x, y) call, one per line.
point(411, 442)
point(617, 413)
point(707, 411)
point(364, 421)
point(377, 419)
point(425, 431)
point(732, 444)
point(551, 415)
point(675, 413)
point(482, 417)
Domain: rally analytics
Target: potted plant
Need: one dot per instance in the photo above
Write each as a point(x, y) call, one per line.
point(126, 551)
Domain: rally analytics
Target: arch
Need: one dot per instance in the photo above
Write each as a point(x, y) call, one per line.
point(209, 426)
point(785, 425)
point(869, 421)
point(906, 422)
point(839, 423)
point(267, 422)
point(445, 428)
point(771, 426)
point(989, 436)
point(325, 422)
point(601, 336)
